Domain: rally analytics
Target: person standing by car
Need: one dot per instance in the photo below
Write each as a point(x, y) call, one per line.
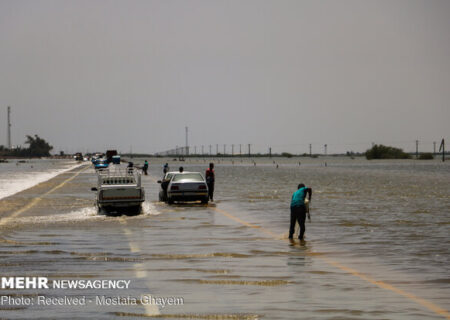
point(164, 184)
point(210, 179)
point(298, 209)
point(166, 168)
point(130, 167)
point(145, 167)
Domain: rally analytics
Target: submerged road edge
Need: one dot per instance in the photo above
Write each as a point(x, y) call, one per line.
point(35, 201)
point(383, 285)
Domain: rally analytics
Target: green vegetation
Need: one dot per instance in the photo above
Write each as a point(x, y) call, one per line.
point(286, 154)
point(426, 156)
point(37, 147)
point(380, 151)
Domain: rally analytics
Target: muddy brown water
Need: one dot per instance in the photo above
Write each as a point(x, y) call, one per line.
point(377, 246)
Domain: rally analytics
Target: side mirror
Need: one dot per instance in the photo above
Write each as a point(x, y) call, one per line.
point(94, 189)
point(159, 181)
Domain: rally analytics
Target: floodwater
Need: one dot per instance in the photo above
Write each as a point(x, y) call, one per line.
point(377, 245)
point(18, 175)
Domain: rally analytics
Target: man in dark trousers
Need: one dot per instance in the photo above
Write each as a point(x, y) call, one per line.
point(210, 179)
point(130, 167)
point(145, 167)
point(298, 209)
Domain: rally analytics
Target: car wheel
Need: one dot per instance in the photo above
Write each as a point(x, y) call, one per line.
point(135, 211)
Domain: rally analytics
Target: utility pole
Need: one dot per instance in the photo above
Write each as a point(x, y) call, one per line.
point(417, 149)
point(249, 153)
point(187, 142)
point(434, 148)
point(232, 150)
point(9, 128)
point(325, 149)
point(240, 150)
point(270, 152)
point(224, 149)
point(203, 151)
point(217, 149)
point(442, 147)
point(310, 150)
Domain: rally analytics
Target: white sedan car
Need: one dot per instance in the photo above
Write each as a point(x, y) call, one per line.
point(187, 186)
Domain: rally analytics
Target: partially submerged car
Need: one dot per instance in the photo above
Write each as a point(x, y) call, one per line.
point(164, 184)
point(78, 156)
point(100, 164)
point(183, 186)
point(119, 192)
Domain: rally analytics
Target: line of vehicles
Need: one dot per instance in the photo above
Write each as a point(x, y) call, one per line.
point(119, 190)
point(102, 161)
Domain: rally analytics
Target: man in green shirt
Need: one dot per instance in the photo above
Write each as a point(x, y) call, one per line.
point(298, 209)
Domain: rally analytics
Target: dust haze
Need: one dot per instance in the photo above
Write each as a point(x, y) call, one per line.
point(89, 75)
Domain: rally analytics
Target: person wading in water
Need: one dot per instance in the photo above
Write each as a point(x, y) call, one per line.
point(210, 179)
point(145, 167)
point(298, 209)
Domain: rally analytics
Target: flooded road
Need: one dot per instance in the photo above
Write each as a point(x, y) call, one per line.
point(377, 246)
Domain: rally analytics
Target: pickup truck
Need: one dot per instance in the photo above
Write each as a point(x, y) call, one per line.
point(119, 191)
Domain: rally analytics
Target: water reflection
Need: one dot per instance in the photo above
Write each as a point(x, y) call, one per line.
point(373, 216)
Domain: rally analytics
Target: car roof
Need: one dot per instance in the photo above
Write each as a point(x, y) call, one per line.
point(178, 172)
point(186, 173)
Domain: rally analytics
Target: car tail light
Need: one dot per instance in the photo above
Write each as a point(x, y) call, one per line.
point(202, 187)
point(174, 188)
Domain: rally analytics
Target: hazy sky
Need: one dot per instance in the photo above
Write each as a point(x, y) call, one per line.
point(89, 75)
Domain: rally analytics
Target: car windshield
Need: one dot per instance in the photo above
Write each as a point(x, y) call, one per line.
point(197, 177)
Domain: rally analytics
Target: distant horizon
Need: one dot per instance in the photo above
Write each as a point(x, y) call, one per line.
point(423, 148)
point(90, 75)
point(407, 146)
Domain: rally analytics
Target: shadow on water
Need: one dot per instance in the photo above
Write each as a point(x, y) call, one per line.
point(188, 205)
point(120, 212)
point(299, 246)
point(183, 206)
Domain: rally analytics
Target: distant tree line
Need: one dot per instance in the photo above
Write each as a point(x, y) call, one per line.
point(37, 147)
point(380, 151)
